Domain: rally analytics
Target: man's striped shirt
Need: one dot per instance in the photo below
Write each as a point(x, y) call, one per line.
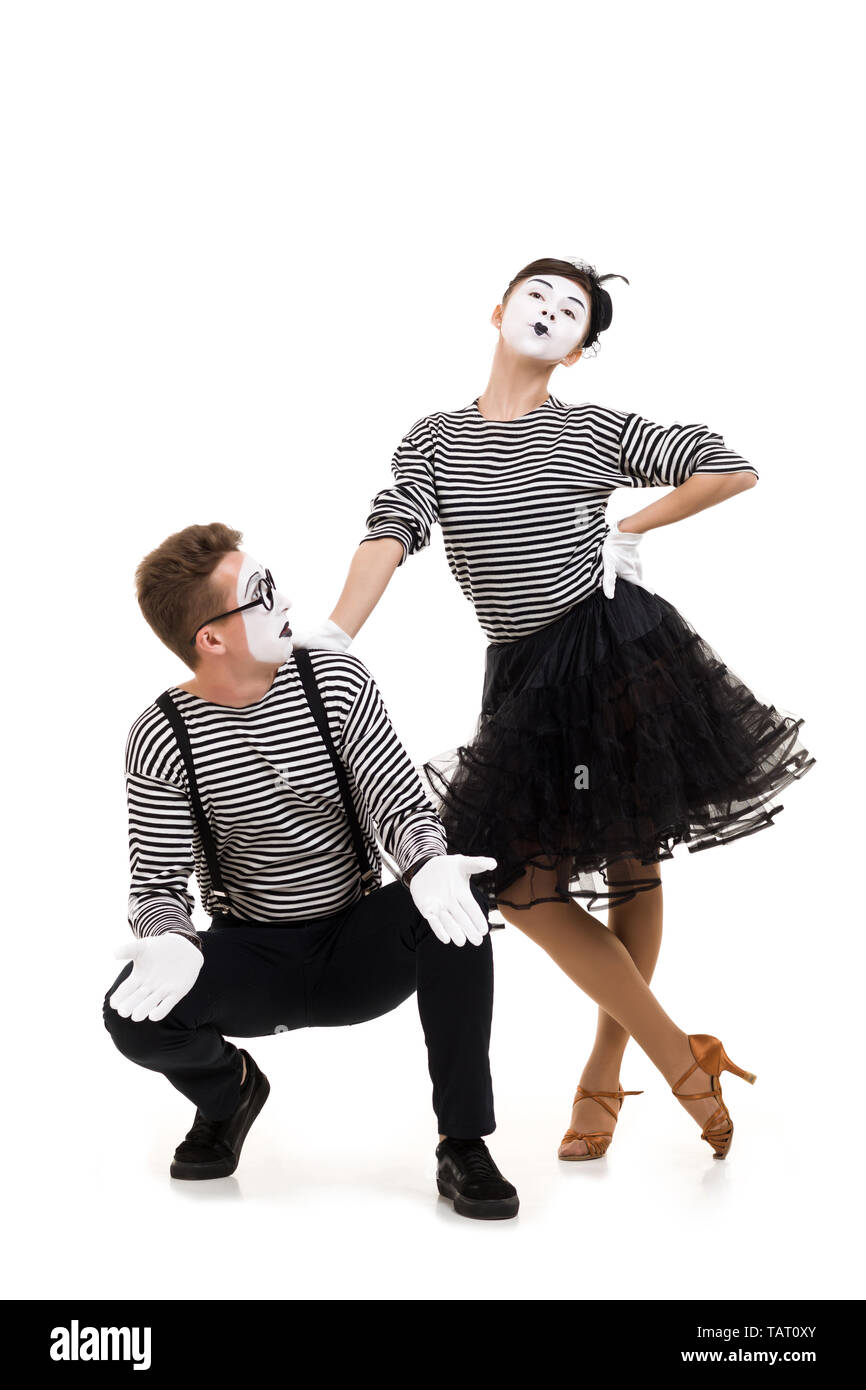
point(272, 799)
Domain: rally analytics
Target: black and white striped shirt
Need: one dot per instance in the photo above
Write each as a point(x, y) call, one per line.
point(522, 502)
point(270, 793)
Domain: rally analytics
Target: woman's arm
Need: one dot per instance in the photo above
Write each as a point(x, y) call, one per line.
point(694, 495)
point(398, 526)
point(369, 575)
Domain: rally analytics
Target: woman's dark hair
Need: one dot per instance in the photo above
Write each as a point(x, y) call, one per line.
point(601, 308)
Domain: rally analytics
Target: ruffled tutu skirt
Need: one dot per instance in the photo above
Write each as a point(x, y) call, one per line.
point(605, 739)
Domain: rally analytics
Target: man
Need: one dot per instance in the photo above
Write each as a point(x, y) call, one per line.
point(265, 773)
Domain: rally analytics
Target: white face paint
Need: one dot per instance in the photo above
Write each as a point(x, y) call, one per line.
point(546, 317)
point(269, 636)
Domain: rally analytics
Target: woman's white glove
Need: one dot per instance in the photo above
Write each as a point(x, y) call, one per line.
point(325, 634)
point(165, 968)
point(619, 557)
point(441, 892)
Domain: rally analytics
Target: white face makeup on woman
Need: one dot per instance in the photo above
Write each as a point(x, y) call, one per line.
point(546, 317)
point(269, 636)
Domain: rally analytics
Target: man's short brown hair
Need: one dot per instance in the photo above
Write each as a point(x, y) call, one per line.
point(175, 588)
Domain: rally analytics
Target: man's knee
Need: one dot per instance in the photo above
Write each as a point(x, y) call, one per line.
point(132, 1039)
point(110, 1016)
point(121, 1030)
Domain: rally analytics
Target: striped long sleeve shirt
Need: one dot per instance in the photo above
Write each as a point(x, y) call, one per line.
point(522, 502)
point(272, 799)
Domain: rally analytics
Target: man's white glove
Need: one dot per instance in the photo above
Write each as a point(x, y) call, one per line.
point(441, 892)
point(326, 635)
point(165, 968)
point(619, 557)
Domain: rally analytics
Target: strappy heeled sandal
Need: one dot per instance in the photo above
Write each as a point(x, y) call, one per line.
point(597, 1142)
point(712, 1059)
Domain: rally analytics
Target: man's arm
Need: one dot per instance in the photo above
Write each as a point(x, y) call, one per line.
point(160, 832)
point(164, 969)
point(386, 778)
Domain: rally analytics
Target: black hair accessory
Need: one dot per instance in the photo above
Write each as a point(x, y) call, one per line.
point(602, 305)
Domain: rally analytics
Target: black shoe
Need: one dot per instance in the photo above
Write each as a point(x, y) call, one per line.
point(468, 1176)
point(213, 1147)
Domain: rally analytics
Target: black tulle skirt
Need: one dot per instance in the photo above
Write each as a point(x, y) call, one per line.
point(605, 739)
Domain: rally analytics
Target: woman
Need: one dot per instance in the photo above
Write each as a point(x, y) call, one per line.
point(609, 731)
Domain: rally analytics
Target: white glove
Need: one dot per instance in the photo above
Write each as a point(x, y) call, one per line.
point(619, 556)
point(325, 634)
point(441, 892)
point(164, 969)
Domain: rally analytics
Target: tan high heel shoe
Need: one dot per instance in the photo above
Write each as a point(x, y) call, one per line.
point(598, 1142)
point(712, 1059)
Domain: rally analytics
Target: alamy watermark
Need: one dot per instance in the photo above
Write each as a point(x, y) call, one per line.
point(77, 1343)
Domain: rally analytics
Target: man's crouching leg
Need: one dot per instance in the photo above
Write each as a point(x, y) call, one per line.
point(224, 1083)
point(455, 1001)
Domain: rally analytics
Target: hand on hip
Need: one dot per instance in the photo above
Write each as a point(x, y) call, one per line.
point(619, 555)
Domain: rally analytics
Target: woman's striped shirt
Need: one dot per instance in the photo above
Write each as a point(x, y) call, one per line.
point(271, 796)
point(522, 502)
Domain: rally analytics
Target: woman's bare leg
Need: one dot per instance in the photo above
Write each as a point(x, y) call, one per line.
point(599, 962)
point(638, 925)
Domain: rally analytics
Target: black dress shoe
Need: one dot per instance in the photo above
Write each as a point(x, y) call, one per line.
point(468, 1176)
point(213, 1147)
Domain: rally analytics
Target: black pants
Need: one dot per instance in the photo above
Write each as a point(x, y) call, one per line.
point(322, 973)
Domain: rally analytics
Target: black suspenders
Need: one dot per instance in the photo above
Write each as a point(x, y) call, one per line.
point(218, 900)
point(314, 700)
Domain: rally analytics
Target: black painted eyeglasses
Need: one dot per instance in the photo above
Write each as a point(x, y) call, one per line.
point(264, 596)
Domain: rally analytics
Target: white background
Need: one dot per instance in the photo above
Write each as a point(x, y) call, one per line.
point(246, 247)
